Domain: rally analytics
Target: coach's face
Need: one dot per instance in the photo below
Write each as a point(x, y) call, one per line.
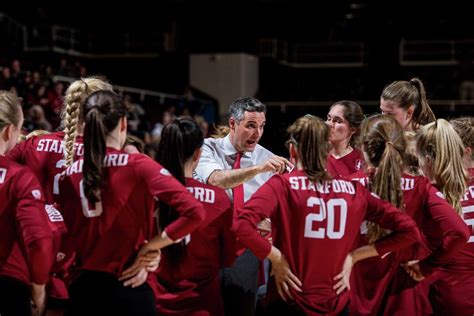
point(244, 135)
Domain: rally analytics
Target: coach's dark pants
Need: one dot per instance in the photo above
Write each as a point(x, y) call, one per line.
point(239, 285)
point(14, 297)
point(98, 293)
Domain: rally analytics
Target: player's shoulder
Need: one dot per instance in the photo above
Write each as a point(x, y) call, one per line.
point(220, 194)
point(422, 185)
point(286, 178)
point(43, 143)
point(59, 135)
point(17, 174)
point(13, 167)
point(145, 165)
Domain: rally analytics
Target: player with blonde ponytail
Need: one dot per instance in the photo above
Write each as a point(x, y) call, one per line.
point(77, 92)
point(446, 153)
point(380, 286)
point(24, 223)
point(47, 155)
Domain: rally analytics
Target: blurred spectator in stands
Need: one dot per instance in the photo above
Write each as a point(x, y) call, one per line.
point(40, 97)
point(36, 120)
point(199, 103)
point(35, 78)
point(82, 72)
point(185, 111)
point(18, 77)
point(137, 123)
point(79, 70)
point(32, 81)
point(64, 69)
point(6, 80)
point(158, 128)
point(202, 124)
point(190, 101)
point(135, 112)
point(27, 80)
point(47, 76)
point(16, 69)
point(56, 102)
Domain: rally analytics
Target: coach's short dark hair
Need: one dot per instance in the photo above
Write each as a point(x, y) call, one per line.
point(241, 105)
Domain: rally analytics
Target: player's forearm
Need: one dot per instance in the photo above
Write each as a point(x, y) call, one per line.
point(159, 242)
point(41, 258)
point(245, 229)
point(364, 252)
point(274, 254)
point(38, 296)
point(228, 179)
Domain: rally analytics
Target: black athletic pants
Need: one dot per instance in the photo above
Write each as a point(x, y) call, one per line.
point(239, 285)
point(99, 293)
point(14, 297)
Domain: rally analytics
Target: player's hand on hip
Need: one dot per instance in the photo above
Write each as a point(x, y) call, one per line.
point(343, 278)
point(414, 270)
point(285, 280)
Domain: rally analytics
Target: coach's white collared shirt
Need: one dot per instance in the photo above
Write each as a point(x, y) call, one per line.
point(220, 154)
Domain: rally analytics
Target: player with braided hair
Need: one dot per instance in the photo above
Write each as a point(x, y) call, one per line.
point(47, 155)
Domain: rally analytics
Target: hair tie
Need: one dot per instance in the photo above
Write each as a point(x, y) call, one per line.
point(97, 108)
point(388, 143)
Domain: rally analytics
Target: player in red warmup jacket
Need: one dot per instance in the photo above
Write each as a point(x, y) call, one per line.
point(47, 155)
point(452, 291)
point(344, 119)
point(107, 201)
point(380, 286)
point(23, 223)
point(406, 102)
point(315, 222)
point(188, 276)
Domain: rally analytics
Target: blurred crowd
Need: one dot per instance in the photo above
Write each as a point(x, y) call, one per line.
point(43, 93)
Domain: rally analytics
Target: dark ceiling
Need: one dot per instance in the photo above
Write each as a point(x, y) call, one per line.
point(242, 21)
